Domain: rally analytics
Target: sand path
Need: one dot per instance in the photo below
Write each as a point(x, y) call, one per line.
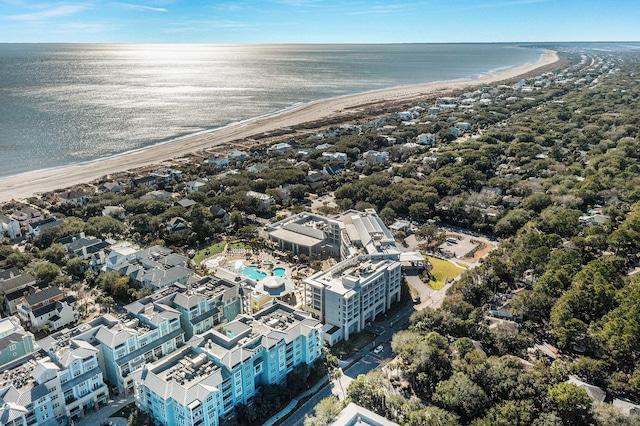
point(26, 185)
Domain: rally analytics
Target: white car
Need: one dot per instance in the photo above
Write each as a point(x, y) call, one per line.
point(378, 349)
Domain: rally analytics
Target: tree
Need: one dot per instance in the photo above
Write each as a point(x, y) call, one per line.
point(18, 260)
point(236, 220)
point(536, 202)
point(590, 297)
point(430, 234)
point(77, 266)
point(462, 396)
point(431, 416)
point(387, 215)
point(139, 417)
point(297, 379)
point(202, 222)
point(121, 290)
point(325, 412)
point(366, 391)
point(572, 403)
point(560, 220)
point(299, 191)
point(247, 232)
point(508, 413)
point(419, 211)
point(618, 332)
point(107, 280)
point(56, 253)
point(608, 415)
point(510, 223)
point(426, 358)
point(463, 346)
point(105, 227)
point(43, 270)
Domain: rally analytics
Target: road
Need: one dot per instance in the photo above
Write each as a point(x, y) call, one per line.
point(429, 297)
point(368, 362)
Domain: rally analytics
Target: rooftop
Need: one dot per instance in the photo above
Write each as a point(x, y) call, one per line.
point(20, 376)
point(343, 277)
point(187, 370)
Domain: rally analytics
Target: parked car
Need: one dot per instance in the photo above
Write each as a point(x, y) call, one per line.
point(378, 349)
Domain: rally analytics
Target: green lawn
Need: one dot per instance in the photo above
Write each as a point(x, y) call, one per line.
point(239, 244)
point(213, 249)
point(442, 269)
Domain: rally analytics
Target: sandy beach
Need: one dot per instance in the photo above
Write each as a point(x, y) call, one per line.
point(26, 185)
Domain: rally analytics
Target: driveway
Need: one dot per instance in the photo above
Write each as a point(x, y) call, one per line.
point(423, 289)
point(97, 418)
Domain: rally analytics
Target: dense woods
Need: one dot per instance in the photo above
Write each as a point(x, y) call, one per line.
point(567, 151)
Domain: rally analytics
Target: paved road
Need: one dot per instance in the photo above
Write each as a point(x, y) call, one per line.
point(368, 362)
point(96, 418)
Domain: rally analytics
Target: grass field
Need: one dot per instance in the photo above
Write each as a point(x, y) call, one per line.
point(442, 269)
point(213, 249)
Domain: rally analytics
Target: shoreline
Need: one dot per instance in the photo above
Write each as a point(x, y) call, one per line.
point(28, 184)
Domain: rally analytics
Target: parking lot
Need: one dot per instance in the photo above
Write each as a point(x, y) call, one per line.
point(458, 244)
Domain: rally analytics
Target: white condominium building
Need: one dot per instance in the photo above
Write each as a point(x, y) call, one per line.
point(350, 294)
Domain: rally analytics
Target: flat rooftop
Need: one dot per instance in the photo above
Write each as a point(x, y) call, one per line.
point(187, 370)
point(360, 267)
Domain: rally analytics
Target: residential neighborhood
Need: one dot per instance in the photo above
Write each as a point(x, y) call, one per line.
point(387, 258)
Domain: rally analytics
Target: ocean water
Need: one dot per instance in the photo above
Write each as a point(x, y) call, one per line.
point(69, 103)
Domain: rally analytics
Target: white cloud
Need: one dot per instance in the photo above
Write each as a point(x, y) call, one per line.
point(79, 27)
point(55, 12)
point(129, 6)
point(505, 4)
point(378, 10)
point(299, 3)
point(206, 26)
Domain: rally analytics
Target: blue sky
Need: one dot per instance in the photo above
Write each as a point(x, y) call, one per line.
point(314, 21)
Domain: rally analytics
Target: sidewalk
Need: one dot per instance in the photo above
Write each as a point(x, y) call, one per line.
point(294, 402)
point(96, 418)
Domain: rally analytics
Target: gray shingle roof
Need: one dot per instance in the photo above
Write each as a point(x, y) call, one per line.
point(12, 284)
point(42, 295)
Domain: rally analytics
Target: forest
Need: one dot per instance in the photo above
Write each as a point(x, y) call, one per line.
point(566, 157)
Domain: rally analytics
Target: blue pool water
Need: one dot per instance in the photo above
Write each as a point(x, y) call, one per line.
point(252, 272)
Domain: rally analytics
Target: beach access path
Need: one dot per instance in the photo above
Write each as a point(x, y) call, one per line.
point(28, 184)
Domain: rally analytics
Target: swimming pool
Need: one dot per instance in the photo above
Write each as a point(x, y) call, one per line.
point(252, 272)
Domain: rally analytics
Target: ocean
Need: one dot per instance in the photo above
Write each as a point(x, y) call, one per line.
point(62, 104)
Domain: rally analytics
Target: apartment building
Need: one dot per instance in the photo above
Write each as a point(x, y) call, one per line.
point(147, 332)
point(203, 303)
point(352, 293)
point(367, 277)
point(15, 342)
point(203, 382)
point(58, 384)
